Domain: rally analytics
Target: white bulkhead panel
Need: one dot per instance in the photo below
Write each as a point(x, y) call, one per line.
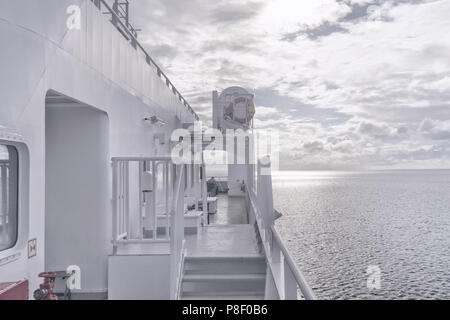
point(94, 66)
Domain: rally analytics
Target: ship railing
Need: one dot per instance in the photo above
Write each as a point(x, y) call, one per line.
point(138, 186)
point(130, 33)
point(284, 279)
point(149, 209)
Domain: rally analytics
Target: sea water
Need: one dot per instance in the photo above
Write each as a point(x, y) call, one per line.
point(345, 228)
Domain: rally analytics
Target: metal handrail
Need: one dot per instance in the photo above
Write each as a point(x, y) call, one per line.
point(178, 256)
point(273, 235)
point(179, 285)
point(149, 59)
point(299, 278)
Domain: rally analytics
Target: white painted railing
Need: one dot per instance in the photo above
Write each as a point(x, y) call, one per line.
point(160, 185)
point(136, 182)
point(284, 279)
point(177, 244)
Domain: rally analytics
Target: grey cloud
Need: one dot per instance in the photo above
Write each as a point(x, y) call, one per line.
point(362, 11)
point(239, 45)
point(435, 129)
point(426, 125)
point(325, 29)
point(233, 13)
point(163, 51)
point(365, 118)
point(313, 147)
point(271, 98)
point(345, 147)
point(372, 129)
point(383, 131)
point(402, 130)
point(359, 11)
point(434, 152)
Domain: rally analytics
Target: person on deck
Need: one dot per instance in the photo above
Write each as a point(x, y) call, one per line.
point(213, 188)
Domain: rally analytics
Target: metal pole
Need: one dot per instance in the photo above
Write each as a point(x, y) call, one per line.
point(115, 15)
point(127, 199)
point(155, 216)
point(204, 194)
point(97, 3)
point(114, 205)
point(167, 184)
point(127, 13)
point(141, 201)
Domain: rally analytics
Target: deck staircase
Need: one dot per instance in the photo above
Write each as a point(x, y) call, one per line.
point(224, 278)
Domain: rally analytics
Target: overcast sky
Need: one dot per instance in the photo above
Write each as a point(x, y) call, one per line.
point(350, 84)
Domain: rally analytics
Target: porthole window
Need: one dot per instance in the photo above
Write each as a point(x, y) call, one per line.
point(9, 169)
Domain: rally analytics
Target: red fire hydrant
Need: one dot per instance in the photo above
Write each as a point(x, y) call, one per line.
point(45, 291)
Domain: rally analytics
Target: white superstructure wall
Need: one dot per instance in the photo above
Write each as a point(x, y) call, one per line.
point(77, 217)
point(94, 65)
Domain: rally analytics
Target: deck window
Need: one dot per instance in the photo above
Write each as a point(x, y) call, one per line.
point(9, 163)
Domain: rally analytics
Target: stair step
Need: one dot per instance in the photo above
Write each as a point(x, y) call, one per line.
point(257, 257)
point(229, 257)
point(205, 285)
point(225, 265)
point(223, 277)
point(238, 295)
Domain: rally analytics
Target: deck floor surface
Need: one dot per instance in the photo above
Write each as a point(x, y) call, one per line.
point(230, 210)
point(228, 234)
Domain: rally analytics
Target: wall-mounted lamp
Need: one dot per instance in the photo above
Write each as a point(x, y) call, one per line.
point(155, 121)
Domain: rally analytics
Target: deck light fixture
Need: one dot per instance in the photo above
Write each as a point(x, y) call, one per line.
point(155, 121)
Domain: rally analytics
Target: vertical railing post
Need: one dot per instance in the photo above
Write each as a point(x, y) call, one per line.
point(277, 268)
point(250, 180)
point(97, 3)
point(115, 8)
point(127, 13)
point(155, 215)
point(167, 184)
point(121, 207)
point(265, 208)
point(265, 197)
point(114, 205)
point(271, 292)
point(180, 212)
point(204, 194)
point(196, 184)
point(290, 284)
point(127, 199)
point(141, 201)
point(177, 227)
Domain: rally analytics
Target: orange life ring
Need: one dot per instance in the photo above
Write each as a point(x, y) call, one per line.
point(229, 111)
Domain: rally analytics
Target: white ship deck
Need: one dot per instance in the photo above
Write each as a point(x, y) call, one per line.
point(223, 259)
point(223, 240)
point(230, 210)
point(228, 233)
